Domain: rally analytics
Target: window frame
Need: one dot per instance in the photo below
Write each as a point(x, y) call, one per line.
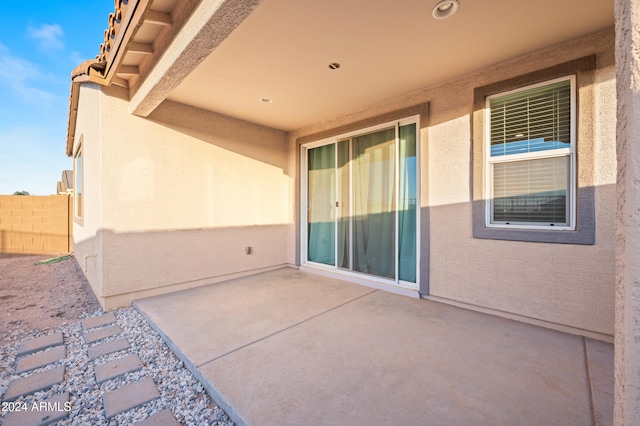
point(78, 189)
point(536, 155)
point(584, 231)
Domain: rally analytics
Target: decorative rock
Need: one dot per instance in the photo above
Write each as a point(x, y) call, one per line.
point(34, 383)
point(110, 347)
point(115, 368)
point(39, 343)
point(40, 359)
point(102, 333)
point(129, 396)
point(180, 392)
point(93, 322)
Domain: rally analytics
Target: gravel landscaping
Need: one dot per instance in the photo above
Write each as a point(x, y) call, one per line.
point(179, 391)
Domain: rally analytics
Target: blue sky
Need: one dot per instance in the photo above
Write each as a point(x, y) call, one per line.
point(41, 42)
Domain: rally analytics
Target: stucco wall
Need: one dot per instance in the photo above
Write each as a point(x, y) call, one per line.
point(184, 192)
point(627, 342)
point(571, 285)
point(86, 230)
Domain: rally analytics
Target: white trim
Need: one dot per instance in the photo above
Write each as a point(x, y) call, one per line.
point(396, 165)
point(304, 204)
point(571, 77)
point(336, 203)
point(418, 201)
point(561, 152)
point(351, 204)
point(78, 197)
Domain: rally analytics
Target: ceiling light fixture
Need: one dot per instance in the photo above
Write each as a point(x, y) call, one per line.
point(445, 8)
point(334, 65)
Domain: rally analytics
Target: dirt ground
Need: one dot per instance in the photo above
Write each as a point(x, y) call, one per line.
point(41, 296)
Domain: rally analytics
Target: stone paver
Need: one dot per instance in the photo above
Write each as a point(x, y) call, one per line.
point(129, 396)
point(162, 418)
point(117, 367)
point(40, 359)
point(93, 322)
point(39, 343)
point(43, 413)
point(34, 383)
point(102, 333)
point(46, 350)
point(110, 347)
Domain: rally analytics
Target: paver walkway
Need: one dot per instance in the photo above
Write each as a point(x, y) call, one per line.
point(48, 350)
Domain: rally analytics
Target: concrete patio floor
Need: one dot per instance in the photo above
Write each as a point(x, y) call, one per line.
point(293, 348)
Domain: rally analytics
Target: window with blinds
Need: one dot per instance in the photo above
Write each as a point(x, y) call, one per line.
point(530, 156)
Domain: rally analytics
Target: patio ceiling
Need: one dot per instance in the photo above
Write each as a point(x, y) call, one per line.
point(385, 49)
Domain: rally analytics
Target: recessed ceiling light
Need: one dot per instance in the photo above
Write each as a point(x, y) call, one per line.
point(334, 65)
point(445, 9)
point(266, 100)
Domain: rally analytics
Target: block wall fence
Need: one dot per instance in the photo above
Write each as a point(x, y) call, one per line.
point(33, 225)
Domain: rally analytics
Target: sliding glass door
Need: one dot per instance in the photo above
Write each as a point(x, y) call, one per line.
point(361, 197)
point(374, 210)
point(322, 179)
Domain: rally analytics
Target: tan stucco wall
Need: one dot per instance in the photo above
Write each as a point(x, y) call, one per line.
point(570, 285)
point(86, 230)
point(181, 193)
point(627, 342)
point(184, 192)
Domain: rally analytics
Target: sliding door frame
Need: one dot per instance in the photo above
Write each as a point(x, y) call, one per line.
point(304, 204)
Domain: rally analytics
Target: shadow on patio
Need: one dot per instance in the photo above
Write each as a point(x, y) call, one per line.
point(294, 348)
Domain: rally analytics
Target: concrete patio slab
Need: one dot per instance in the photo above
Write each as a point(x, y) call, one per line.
point(374, 357)
point(246, 310)
point(600, 358)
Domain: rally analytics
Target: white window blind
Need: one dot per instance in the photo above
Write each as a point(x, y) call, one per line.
point(531, 191)
point(533, 120)
point(530, 156)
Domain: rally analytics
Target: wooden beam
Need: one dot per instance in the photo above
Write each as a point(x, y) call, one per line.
point(135, 47)
point(128, 70)
point(159, 18)
point(132, 16)
point(117, 81)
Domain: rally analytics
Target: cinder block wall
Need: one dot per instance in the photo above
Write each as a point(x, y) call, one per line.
point(35, 225)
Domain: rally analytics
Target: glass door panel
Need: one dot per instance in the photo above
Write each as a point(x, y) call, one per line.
point(362, 195)
point(321, 202)
point(374, 203)
point(407, 204)
point(344, 213)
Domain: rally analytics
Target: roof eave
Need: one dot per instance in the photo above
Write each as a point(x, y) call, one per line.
point(103, 69)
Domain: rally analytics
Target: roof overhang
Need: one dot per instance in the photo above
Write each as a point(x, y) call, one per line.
point(231, 56)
